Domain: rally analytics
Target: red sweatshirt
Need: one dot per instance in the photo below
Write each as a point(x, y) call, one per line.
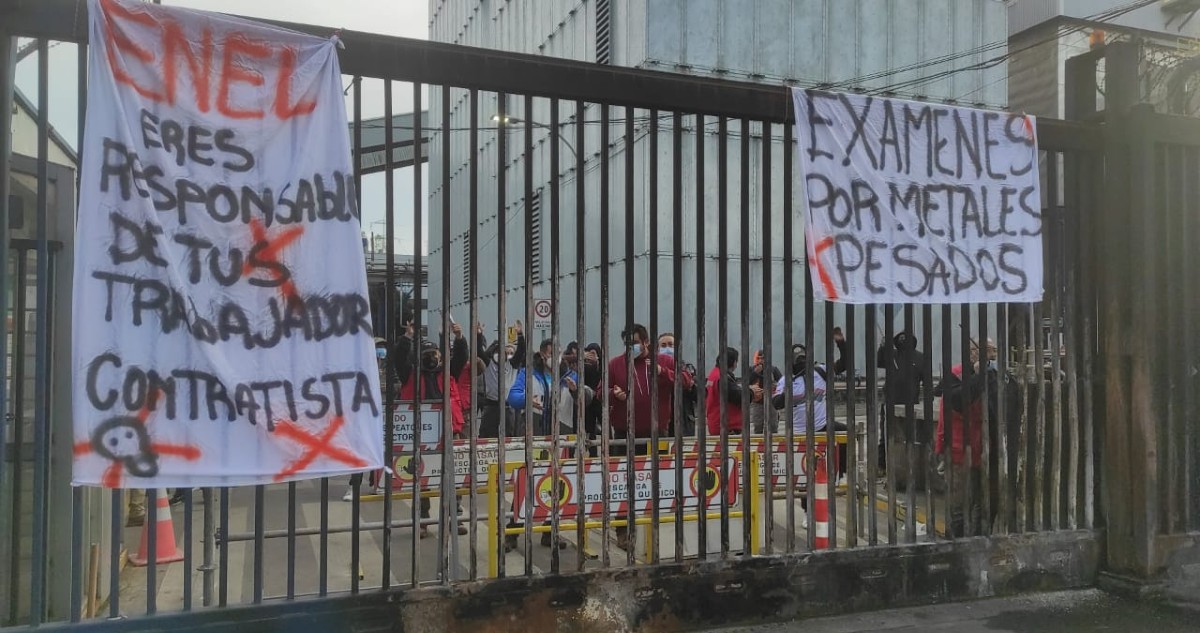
point(431, 394)
point(974, 424)
point(638, 392)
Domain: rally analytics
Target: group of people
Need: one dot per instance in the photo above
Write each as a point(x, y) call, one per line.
point(530, 390)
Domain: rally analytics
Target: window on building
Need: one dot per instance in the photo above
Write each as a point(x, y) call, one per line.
point(604, 32)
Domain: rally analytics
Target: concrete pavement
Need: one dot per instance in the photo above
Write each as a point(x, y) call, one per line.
point(1062, 612)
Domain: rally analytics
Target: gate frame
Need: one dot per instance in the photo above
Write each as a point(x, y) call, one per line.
point(665, 596)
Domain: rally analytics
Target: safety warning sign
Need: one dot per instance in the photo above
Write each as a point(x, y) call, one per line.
point(567, 488)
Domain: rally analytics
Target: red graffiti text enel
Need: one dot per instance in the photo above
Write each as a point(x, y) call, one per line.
point(240, 59)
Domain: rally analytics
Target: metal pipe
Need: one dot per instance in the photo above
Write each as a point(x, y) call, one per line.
point(41, 385)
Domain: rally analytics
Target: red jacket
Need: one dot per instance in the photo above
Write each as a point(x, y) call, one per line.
point(431, 394)
point(974, 415)
point(638, 393)
point(712, 404)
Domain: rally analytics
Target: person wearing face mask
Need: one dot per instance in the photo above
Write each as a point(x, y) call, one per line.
point(961, 415)
point(425, 372)
point(493, 391)
point(631, 392)
point(533, 387)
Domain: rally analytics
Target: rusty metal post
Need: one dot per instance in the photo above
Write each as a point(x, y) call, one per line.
point(1129, 474)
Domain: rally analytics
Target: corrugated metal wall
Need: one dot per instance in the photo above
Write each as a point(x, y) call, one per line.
point(768, 41)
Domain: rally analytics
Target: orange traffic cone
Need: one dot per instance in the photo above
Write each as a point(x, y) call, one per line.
point(166, 551)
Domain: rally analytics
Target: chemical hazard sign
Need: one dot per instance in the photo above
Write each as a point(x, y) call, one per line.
point(565, 488)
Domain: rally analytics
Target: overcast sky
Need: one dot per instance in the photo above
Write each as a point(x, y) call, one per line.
point(405, 18)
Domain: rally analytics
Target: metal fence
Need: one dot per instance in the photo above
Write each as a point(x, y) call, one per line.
point(674, 206)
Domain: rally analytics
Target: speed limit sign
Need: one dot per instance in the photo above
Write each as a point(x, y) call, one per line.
point(543, 309)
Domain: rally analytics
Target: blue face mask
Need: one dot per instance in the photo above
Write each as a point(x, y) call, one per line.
point(669, 351)
point(380, 353)
point(636, 349)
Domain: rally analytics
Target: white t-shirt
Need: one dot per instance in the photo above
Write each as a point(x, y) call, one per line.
point(800, 404)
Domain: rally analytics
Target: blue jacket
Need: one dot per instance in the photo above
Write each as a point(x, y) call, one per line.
point(522, 390)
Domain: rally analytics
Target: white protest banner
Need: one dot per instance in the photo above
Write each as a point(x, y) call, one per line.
point(919, 203)
point(222, 333)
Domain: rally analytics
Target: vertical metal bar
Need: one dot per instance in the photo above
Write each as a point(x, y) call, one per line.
point(910, 438)
point(291, 540)
point(830, 421)
point(581, 435)
point(322, 543)
point(889, 424)
point(1189, 195)
point(655, 332)
point(8, 62)
point(20, 295)
point(631, 382)
point(152, 547)
point(472, 273)
point(985, 457)
point(964, 324)
point(260, 519)
point(789, 238)
point(208, 566)
point(1071, 293)
point(355, 500)
point(851, 467)
point(116, 510)
point(744, 312)
point(701, 303)
point(389, 327)
point(810, 435)
point(606, 379)
point(532, 347)
point(677, 315)
point(41, 417)
point(723, 314)
point(447, 521)
point(1041, 494)
point(948, 426)
point(927, 389)
point(555, 325)
point(1093, 172)
point(501, 304)
point(872, 426)
point(418, 496)
point(77, 568)
point(1005, 501)
point(1054, 272)
point(768, 464)
point(188, 548)
point(223, 575)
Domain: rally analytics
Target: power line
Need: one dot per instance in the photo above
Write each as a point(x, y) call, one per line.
point(1104, 16)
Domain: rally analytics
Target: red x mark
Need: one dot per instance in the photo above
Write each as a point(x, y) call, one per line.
point(112, 475)
point(270, 253)
point(826, 281)
point(316, 446)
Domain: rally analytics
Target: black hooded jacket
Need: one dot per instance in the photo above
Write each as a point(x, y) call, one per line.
point(905, 369)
